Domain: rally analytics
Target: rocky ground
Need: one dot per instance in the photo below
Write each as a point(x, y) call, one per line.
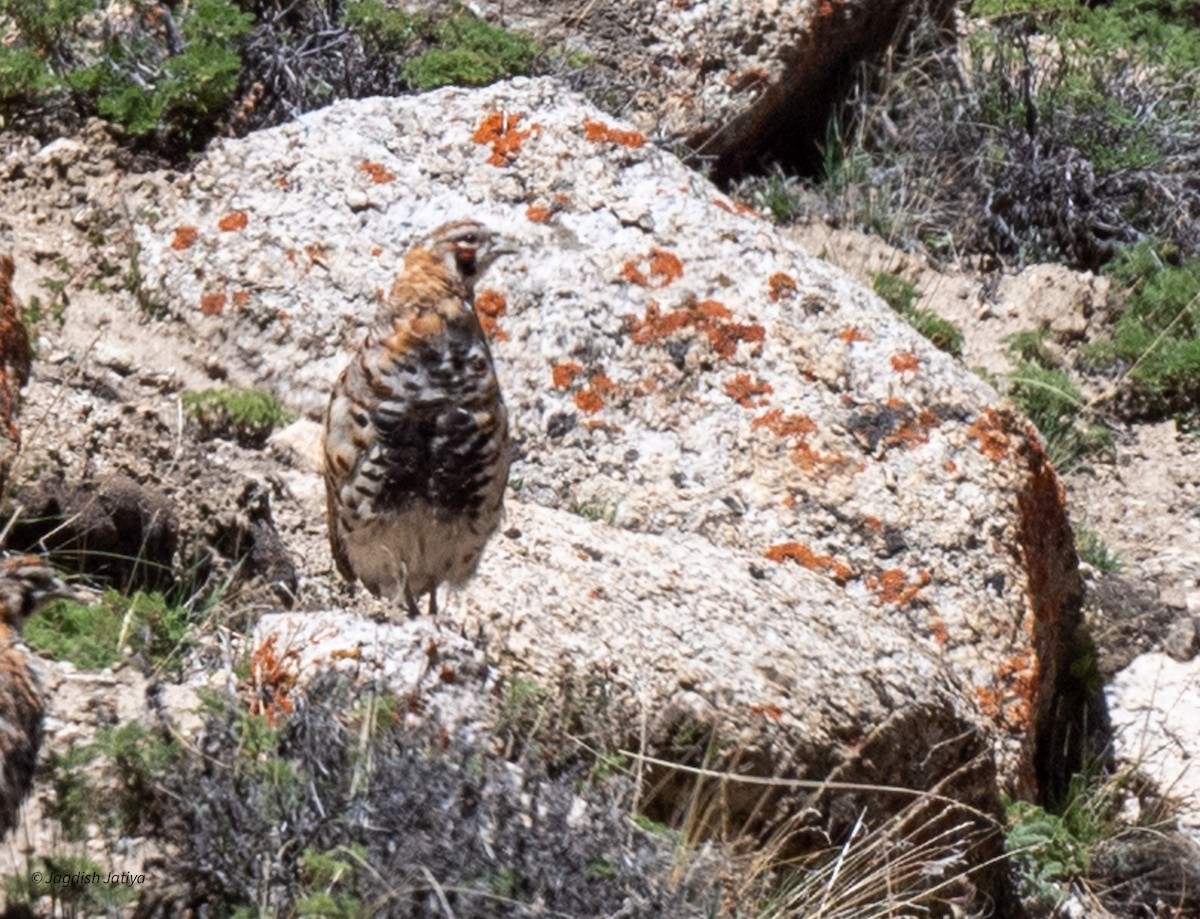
point(105, 400)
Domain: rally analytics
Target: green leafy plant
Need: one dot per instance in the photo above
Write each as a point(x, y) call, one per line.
point(131, 75)
point(383, 27)
point(1052, 848)
point(245, 415)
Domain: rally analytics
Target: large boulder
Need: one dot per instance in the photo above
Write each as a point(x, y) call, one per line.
point(732, 81)
point(745, 494)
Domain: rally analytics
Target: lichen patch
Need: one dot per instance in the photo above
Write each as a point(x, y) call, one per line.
point(500, 131)
point(989, 430)
point(233, 222)
point(895, 586)
point(708, 317)
point(379, 173)
point(804, 556)
point(780, 285)
point(747, 391)
point(184, 237)
point(563, 374)
point(490, 305)
point(598, 132)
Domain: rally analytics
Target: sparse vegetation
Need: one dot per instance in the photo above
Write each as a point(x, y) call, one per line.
point(902, 296)
point(596, 509)
point(96, 636)
point(1045, 131)
point(500, 843)
point(1093, 550)
point(1155, 342)
point(1053, 849)
point(247, 416)
point(83, 899)
point(1046, 394)
point(174, 76)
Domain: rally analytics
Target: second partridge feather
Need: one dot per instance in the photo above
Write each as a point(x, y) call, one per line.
point(416, 434)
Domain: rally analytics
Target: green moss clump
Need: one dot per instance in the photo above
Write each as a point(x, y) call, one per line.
point(93, 636)
point(247, 416)
point(469, 52)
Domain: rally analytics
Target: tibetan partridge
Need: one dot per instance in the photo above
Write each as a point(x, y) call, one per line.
point(416, 434)
point(26, 582)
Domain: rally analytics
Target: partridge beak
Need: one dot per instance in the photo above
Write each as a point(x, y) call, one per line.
point(505, 245)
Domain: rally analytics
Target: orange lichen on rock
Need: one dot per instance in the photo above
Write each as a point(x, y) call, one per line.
point(599, 390)
point(589, 401)
point(814, 463)
point(564, 374)
point(603, 385)
point(233, 222)
point(184, 237)
point(1011, 699)
point(490, 305)
point(989, 701)
point(894, 586)
point(706, 316)
point(989, 430)
point(782, 425)
point(271, 682)
point(666, 266)
point(378, 172)
point(780, 284)
point(500, 131)
point(16, 352)
point(538, 213)
point(746, 391)
point(941, 634)
point(800, 426)
point(915, 430)
point(212, 304)
point(851, 334)
point(903, 361)
point(598, 132)
point(663, 268)
point(804, 556)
